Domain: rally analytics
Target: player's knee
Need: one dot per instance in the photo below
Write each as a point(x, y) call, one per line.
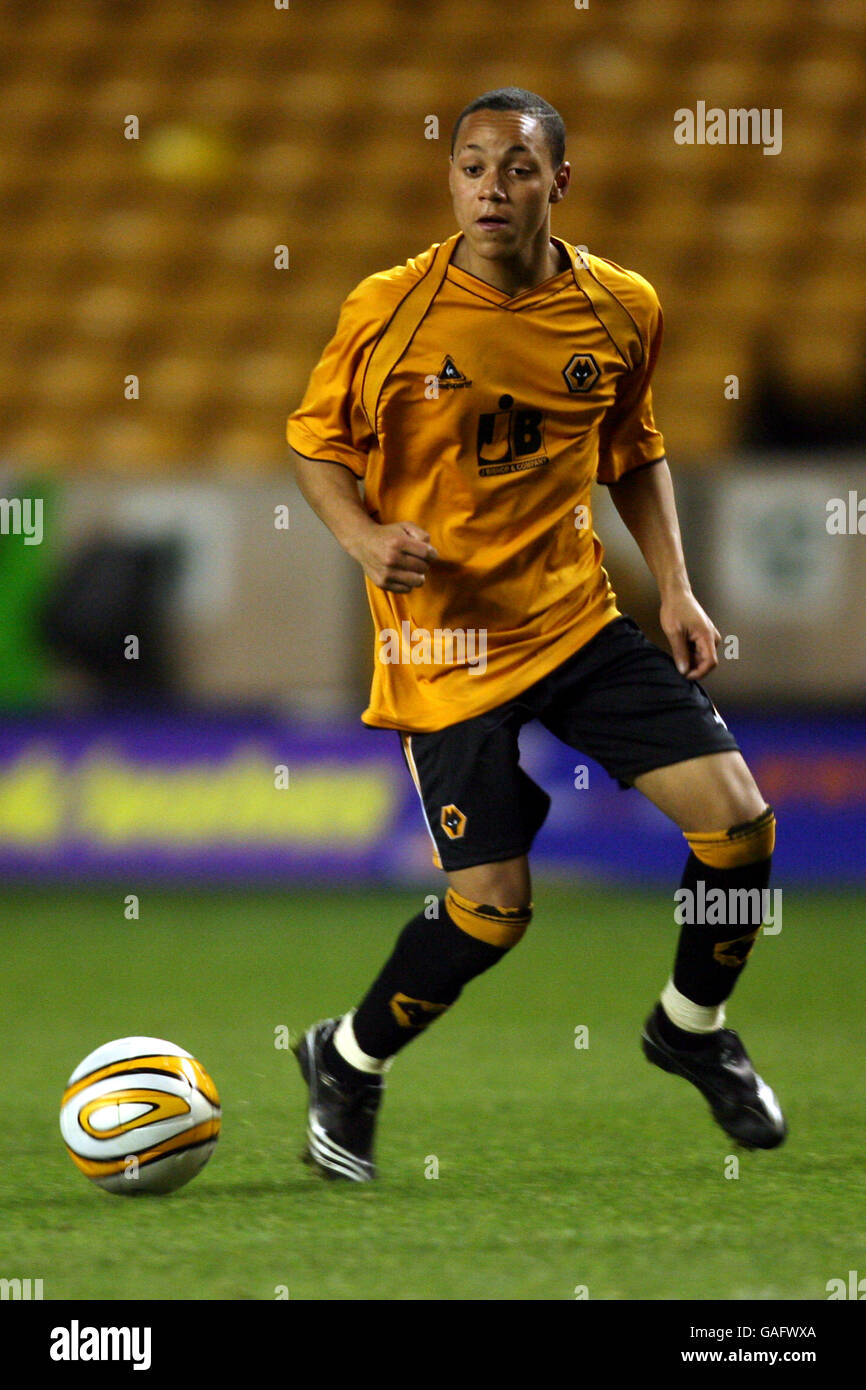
point(750, 842)
point(501, 927)
point(739, 792)
point(506, 883)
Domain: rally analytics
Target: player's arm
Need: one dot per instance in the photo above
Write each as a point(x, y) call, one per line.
point(645, 500)
point(394, 557)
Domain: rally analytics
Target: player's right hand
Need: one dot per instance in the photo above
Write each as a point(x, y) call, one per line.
point(396, 557)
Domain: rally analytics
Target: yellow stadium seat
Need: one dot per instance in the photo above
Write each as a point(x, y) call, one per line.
point(305, 127)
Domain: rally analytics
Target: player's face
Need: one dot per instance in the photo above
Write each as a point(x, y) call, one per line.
point(503, 181)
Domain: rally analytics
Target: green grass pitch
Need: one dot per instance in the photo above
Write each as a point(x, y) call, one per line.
point(559, 1168)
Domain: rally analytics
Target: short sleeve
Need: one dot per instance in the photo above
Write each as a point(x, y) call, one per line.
point(330, 424)
point(628, 438)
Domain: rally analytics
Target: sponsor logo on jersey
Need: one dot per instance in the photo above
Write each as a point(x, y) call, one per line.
point(510, 439)
point(581, 373)
point(450, 375)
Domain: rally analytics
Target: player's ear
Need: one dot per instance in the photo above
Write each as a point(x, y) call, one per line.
point(561, 181)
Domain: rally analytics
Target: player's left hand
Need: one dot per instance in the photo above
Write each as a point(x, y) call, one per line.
point(692, 636)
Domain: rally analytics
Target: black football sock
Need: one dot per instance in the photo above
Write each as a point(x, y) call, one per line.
point(720, 926)
point(433, 959)
point(720, 906)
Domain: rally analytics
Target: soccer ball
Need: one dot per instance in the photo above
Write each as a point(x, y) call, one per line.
point(140, 1115)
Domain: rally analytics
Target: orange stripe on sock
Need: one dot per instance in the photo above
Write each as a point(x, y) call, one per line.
point(743, 844)
point(498, 926)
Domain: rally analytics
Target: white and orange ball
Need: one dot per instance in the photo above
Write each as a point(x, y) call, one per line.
point(140, 1115)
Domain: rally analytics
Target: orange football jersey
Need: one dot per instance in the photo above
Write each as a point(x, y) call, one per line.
point(485, 420)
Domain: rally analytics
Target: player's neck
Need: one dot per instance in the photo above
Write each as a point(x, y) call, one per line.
point(530, 267)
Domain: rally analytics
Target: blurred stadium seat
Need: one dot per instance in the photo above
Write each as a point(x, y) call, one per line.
point(259, 128)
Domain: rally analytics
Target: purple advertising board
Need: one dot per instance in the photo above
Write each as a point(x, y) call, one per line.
point(258, 799)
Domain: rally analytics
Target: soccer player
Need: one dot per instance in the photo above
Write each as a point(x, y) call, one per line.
point(478, 392)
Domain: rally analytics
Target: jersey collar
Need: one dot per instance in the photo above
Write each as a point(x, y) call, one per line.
point(481, 290)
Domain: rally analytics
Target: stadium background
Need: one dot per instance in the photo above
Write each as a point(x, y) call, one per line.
point(187, 193)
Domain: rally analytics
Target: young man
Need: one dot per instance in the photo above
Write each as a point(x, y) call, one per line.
point(478, 391)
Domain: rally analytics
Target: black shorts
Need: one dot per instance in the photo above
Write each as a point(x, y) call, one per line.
point(619, 700)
